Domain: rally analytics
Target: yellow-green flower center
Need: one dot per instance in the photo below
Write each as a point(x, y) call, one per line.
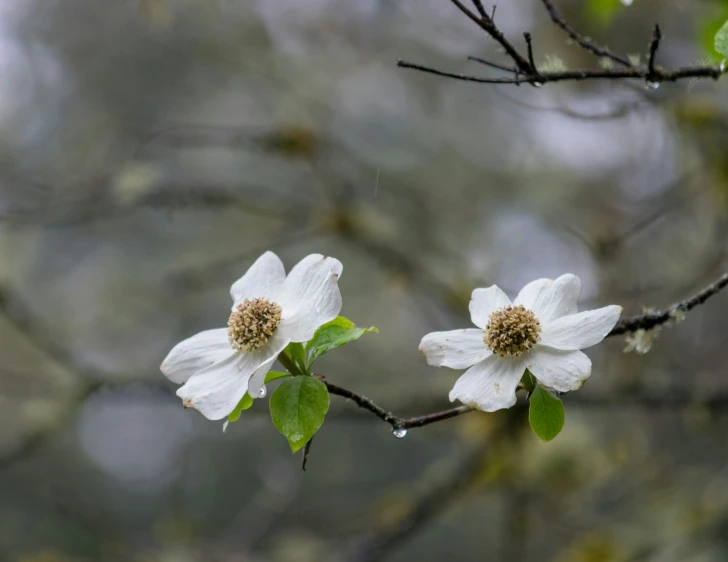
point(511, 331)
point(253, 323)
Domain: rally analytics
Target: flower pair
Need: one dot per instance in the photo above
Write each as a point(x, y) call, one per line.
point(540, 330)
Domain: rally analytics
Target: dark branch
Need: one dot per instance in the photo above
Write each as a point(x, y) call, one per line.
point(659, 75)
point(494, 65)
point(525, 68)
point(654, 45)
point(654, 319)
point(580, 39)
point(488, 25)
point(390, 418)
point(529, 46)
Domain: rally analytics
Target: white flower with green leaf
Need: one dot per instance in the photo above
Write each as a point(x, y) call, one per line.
point(221, 370)
point(540, 332)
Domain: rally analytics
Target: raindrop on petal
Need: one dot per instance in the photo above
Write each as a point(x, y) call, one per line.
point(262, 392)
point(399, 432)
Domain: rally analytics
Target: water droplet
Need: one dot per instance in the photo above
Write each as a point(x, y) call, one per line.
point(262, 392)
point(536, 84)
point(627, 2)
point(225, 426)
point(652, 85)
point(399, 432)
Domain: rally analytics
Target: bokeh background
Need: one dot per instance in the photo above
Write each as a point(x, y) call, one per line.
point(150, 150)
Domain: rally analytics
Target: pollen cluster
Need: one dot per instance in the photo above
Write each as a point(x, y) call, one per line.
point(253, 323)
point(511, 331)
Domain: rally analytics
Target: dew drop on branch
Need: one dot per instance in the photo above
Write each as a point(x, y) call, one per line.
point(399, 432)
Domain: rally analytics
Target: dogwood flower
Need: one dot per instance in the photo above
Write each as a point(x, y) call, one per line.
point(270, 310)
point(540, 330)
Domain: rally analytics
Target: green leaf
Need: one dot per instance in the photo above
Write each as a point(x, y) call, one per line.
point(275, 375)
point(293, 358)
point(336, 333)
point(721, 40)
point(545, 414)
point(245, 402)
point(298, 408)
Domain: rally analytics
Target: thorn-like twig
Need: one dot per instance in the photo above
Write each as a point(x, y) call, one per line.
point(654, 45)
point(529, 46)
point(582, 41)
point(306, 449)
point(493, 64)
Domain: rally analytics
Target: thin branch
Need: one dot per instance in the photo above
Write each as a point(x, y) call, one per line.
point(388, 417)
point(654, 45)
point(654, 319)
point(306, 450)
point(481, 10)
point(529, 45)
point(582, 41)
point(659, 75)
point(488, 25)
point(494, 65)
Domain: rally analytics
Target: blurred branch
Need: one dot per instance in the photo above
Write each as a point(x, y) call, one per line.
point(438, 497)
point(526, 72)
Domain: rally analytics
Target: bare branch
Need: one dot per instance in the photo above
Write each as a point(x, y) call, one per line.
point(654, 319)
point(390, 418)
point(658, 76)
point(654, 45)
point(487, 24)
point(582, 41)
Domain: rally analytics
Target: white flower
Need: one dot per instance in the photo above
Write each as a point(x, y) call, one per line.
point(269, 311)
point(540, 331)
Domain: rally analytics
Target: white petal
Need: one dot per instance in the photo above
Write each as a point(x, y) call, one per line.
point(196, 353)
point(490, 385)
point(257, 381)
point(582, 330)
point(550, 299)
point(457, 349)
point(310, 297)
point(216, 391)
point(560, 370)
point(263, 279)
point(484, 302)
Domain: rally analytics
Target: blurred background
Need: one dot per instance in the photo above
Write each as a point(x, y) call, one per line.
point(150, 150)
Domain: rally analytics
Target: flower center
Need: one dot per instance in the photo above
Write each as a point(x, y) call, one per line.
point(253, 323)
point(511, 331)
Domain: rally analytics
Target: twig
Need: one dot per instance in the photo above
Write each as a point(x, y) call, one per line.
point(529, 45)
point(659, 75)
point(481, 10)
point(395, 421)
point(306, 450)
point(654, 319)
point(487, 24)
point(525, 68)
point(580, 39)
point(493, 65)
point(654, 45)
